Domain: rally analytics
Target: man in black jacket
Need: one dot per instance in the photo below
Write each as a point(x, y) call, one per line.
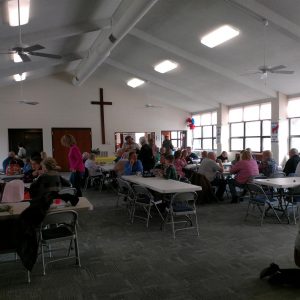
point(291, 164)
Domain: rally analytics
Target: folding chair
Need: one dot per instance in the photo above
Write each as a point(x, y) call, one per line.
point(58, 227)
point(68, 190)
point(182, 205)
point(292, 202)
point(259, 199)
point(145, 200)
point(94, 179)
point(125, 191)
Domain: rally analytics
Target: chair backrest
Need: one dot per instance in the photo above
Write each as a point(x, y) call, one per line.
point(190, 197)
point(93, 172)
point(124, 187)
point(255, 190)
point(70, 190)
point(13, 191)
point(292, 175)
point(67, 217)
point(279, 175)
point(142, 193)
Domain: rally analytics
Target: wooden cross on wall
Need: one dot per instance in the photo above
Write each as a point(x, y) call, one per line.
point(102, 103)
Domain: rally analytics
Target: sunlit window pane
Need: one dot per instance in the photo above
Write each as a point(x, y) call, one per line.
point(207, 131)
point(295, 126)
point(266, 144)
point(266, 128)
point(265, 111)
point(205, 119)
point(295, 142)
point(237, 129)
point(293, 108)
point(214, 144)
point(235, 114)
point(174, 135)
point(175, 143)
point(197, 144)
point(253, 129)
point(197, 120)
point(214, 118)
point(197, 132)
point(207, 144)
point(237, 144)
point(253, 143)
point(214, 130)
point(251, 112)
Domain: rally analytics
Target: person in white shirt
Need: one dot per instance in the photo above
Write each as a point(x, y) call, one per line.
point(210, 169)
point(91, 165)
point(130, 145)
point(22, 151)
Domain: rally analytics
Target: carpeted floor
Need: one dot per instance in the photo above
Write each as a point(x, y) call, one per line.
point(121, 260)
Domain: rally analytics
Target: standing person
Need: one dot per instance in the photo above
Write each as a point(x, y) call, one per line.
point(75, 162)
point(130, 145)
point(22, 151)
point(146, 156)
point(167, 144)
point(155, 150)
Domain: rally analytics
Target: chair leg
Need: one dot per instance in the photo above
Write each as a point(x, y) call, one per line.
point(247, 213)
point(173, 225)
point(263, 215)
point(28, 277)
point(43, 258)
point(77, 252)
point(148, 214)
point(196, 221)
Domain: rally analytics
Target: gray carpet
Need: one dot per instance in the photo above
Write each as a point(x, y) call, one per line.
point(126, 261)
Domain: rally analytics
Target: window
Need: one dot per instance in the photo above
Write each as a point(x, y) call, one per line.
point(204, 134)
point(250, 127)
point(294, 123)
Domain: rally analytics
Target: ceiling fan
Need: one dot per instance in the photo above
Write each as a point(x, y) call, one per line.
point(27, 102)
point(24, 52)
point(265, 70)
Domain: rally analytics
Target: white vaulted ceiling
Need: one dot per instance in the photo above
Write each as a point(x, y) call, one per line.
point(170, 29)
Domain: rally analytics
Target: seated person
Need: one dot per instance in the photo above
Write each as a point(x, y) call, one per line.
point(191, 155)
point(133, 166)
point(49, 181)
point(160, 167)
point(179, 163)
point(43, 155)
point(291, 164)
point(244, 170)
point(85, 156)
point(237, 158)
point(170, 171)
point(27, 165)
point(223, 157)
point(12, 158)
point(185, 157)
point(119, 167)
point(36, 170)
point(210, 168)
point(268, 165)
point(119, 155)
point(285, 277)
point(203, 155)
point(91, 165)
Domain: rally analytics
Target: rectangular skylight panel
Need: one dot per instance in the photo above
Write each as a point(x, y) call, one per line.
point(135, 82)
point(13, 12)
point(20, 77)
point(219, 36)
point(165, 66)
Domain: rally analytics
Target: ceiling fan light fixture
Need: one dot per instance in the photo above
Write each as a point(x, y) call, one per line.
point(17, 58)
point(20, 77)
point(13, 12)
point(165, 66)
point(219, 36)
point(135, 82)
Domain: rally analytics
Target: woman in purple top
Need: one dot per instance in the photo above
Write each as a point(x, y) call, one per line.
point(75, 162)
point(244, 169)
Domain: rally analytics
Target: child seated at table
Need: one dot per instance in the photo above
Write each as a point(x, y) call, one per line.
point(170, 171)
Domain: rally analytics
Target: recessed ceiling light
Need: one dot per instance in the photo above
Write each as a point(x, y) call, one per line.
point(13, 12)
point(219, 36)
point(20, 77)
point(17, 58)
point(165, 66)
point(135, 82)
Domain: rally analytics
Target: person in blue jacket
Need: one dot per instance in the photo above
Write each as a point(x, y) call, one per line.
point(133, 166)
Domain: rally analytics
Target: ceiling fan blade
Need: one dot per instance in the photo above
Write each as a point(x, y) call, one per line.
point(28, 102)
point(45, 55)
point(277, 68)
point(283, 72)
point(24, 57)
point(33, 48)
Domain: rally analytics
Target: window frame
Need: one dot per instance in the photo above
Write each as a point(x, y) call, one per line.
point(201, 139)
point(290, 135)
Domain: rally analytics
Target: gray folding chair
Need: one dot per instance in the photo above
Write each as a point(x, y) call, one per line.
point(58, 227)
point(145, 200)
point(259, 199)
point(94, 179)
point(182, 208)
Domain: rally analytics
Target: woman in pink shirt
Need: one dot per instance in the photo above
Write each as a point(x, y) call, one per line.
point(179, 163)
point(244, 170)
point(75, 162)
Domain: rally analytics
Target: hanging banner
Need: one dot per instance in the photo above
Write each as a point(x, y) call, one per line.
point(274, 132)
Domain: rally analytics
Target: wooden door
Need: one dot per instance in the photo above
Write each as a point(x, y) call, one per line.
point(83, 137)
point(32, 139)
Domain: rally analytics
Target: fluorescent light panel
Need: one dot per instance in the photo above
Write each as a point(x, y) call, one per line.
point(219, 36)
point(135, 82)
point(20, 77)
point(165, 66)
point(17, 58)
point(13, 16)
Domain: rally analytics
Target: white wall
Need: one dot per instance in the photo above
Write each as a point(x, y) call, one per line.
point(64, 105)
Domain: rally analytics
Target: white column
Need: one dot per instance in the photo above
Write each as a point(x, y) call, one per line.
point(222, 122)
point(279, 114)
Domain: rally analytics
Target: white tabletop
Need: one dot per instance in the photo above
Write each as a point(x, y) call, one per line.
point(18, 207)
point(285, 182)
point(107, 167)
point(190, 166)
point(162, 185)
